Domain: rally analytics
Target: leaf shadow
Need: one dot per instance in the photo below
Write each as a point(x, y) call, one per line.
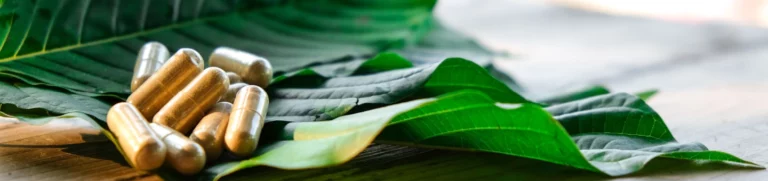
point(98, 147)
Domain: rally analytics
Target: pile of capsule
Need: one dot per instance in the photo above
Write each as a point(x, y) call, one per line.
point(195, 113)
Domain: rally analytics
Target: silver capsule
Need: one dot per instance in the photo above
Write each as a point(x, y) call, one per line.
point(252, 69)
point(151, 57)
point(232, 92)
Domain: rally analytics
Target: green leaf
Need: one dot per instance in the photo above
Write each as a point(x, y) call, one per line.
point(619, 113)
point(647, 94)
point(465, 120)
point(49, 101)
point(320, 144)
point(575, 95)
point(313, 98)
point(618, 155)
point(95, 42)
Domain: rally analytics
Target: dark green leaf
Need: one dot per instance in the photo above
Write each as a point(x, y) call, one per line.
point(94, 44)
point(619, 113)
point(308, 99)
point(27, 97)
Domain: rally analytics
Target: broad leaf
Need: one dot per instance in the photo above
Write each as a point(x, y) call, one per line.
point(95, 42)
point(619, 113)
point(319, 144)
point(52, 102)
point(312, 98)
point(466, 120)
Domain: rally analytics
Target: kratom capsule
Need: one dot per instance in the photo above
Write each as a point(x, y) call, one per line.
point(186, 108)
point(142, 147)
point(233, 78)
point(232, 92)
point(177, 72)
point(151, 57)
point(209, 133)
point(183, 154)
point(252, 69)
point(246, 120)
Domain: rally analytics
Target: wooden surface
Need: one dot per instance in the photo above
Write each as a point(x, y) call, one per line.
point(713, 80)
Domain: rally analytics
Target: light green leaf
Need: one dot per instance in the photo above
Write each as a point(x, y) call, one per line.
point(647, 94)
point(320, 144)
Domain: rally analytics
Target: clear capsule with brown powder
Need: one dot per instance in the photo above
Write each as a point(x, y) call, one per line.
point(232, 92)
point(209, 133)
point(233, 78)
point(246, 120)
point(172, 77)
point(183, 154)
point(187, 107)
point(151, 57)
point(252, 69)
point(143, 148)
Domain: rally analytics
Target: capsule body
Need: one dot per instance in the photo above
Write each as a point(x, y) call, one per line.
point(151, 57)
point(252, 69)
point(142, 147)
point(246, 120)
point(172, 77)
point(232, 92)
point(209, 133)
point(233, 78)
point(183, 154)
point(186, 108)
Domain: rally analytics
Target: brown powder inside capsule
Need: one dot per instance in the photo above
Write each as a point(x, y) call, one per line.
point(172, 77)
point(185, 109)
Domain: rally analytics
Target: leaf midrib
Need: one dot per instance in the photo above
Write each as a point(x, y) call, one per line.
point(116, 38)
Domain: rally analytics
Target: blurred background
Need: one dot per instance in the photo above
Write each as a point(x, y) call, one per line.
point(709, 59)
point(628, 45)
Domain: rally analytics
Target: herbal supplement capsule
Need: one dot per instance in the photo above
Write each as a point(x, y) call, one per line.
point(232, 92)
point(246, 120)
point(183, 154)
point(209, 133)
point(177, 72)
point(143, 148)
point(233, 78)
point(151, 57)
point(186, 108)
point(252, 69)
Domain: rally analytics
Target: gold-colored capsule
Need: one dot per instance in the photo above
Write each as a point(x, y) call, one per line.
point(186, 108)
point(177, 72)
point(232, 92)
point(252, 69)
point(233, 78)
point(246, 120)
point(209, 133)
point(151, 57)
point(142, 147)
point(183, 154)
